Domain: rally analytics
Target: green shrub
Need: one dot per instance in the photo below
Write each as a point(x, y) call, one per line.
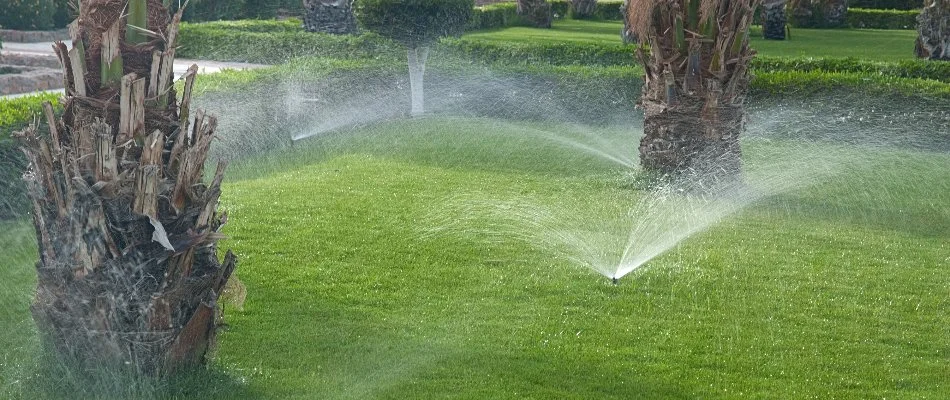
point(275, 42)
point(273, 8)
point(915, 69)
point(607, 10)
point(28, 14)
point(16, 114)
point(493, 16)
point(882, 19)
point(415, 23)
point(560, 8)
point(212, 10)
point(886, 4)
point(554, 53)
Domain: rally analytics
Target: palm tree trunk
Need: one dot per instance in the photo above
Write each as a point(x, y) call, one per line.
point(627, 35)
point(819, 13)
point(330, 16)
point(128, 273)
point(773, 19)
point(933, 28)
point(696, 60)
point(536, 13)
point(583, 9)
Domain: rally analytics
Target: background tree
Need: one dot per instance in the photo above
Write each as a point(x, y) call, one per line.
point(933, 28)
point(583, 9)
point(330, 16)
point(128, 273)
point(626, 32)
point(696, 56)
point(416, 24)
point(773, 19)
point(819, 13)
point(536, 13)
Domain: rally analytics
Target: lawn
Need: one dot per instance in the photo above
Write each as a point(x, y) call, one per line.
point(401, 260)
point(869, 44)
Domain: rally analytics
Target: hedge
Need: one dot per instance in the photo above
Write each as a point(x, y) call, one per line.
point(28, 14)
point(881, 19)
point(415, 23)
point(568, 53)
point(886, 4)
point(16, 114)
point(221, 42)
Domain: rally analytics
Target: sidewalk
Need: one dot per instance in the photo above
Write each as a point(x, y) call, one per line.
point(45, 49)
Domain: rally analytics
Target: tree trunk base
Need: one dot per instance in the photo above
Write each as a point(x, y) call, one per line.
point(692, 146)
point(334, 17)
point(773, 22)
point(536, 13)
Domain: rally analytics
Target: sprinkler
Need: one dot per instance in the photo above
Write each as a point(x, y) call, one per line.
point(615, 280)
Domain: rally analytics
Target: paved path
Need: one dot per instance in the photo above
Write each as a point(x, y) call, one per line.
point(45, 49)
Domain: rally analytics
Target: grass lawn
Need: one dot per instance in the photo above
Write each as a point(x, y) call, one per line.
point(869, 44)
point(377, 267)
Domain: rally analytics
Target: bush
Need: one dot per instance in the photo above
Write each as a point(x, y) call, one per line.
point(882, 19)
point(415, 23)
point(914, 69)
point(886, 4)
point(273, 8)
point(556, 53)
point(274, 42)
point(16, 114)
point(607, 10)
point(493, 16)
point(568, 53)
point(213, 10)
point(28, 14)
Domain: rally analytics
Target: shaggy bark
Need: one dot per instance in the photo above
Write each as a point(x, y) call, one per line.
point(627, 35)
point(583, 9)
point(933, 28)
point(773, 19)
point(128, 273)
point(330, 16)
point(819, 13)
point(537, 13)
point(696, 76)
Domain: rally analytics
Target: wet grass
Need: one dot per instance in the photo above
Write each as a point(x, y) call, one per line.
point(836, 289)
point(868, 44)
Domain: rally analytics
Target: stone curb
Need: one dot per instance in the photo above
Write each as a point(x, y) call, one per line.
point(10, 35)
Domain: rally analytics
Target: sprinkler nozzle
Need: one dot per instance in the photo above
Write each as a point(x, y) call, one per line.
point(615, 280)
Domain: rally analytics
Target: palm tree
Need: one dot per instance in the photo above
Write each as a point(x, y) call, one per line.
point(933, 28)
point(330, 16)
point(819, 13)
point(128, 271)
point(773, 19)
point(536, 13)
point(696, 56)
point(583, 9)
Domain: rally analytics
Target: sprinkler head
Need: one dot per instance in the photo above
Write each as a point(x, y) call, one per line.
point(615, 280)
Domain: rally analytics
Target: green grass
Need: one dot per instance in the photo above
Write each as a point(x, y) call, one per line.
point(870, 44)
point(836, 289)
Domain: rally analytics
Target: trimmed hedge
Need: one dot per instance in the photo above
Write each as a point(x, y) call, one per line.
point(567, 53)
point(222, 42)
point(562, 53)
point(415, 23)
point(28, 14)
point(882, 19)
point(16, 114)
point(494, 16)
point(886, 4)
